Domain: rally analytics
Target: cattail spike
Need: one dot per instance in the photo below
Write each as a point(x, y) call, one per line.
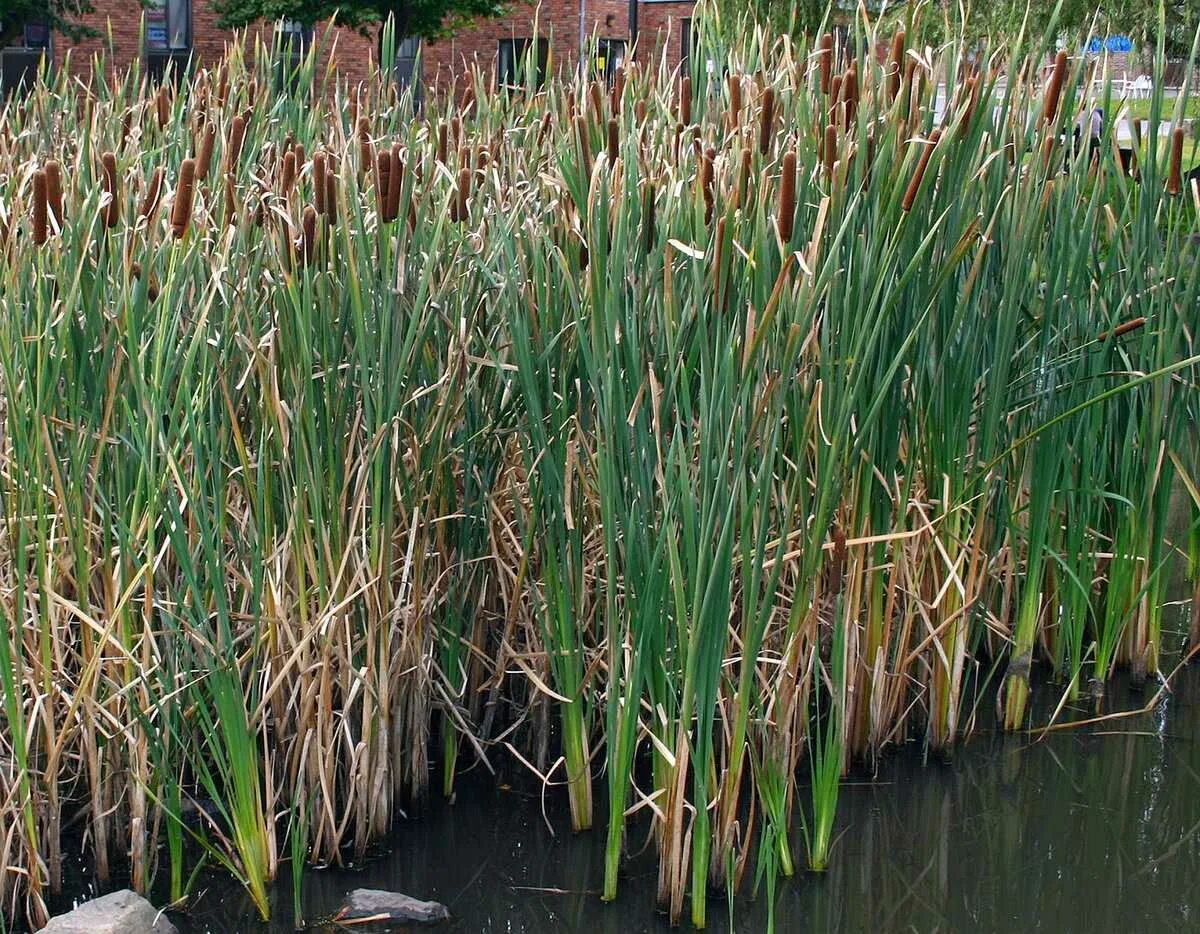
point(766, 126)
point(914, 184)
point(787, 197)
point(1054, 88)
point(112, 211)
point(40, 207)
point(181, 212)
point(825, 63)
point(1175, 165)
point(206, 152)
point(54, 191)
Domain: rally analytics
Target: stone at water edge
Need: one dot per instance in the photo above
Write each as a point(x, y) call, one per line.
point(123, 912)
point(391, 907)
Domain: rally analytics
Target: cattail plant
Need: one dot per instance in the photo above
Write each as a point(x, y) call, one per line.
point(787, 197)
point(181, 211)
point(1175, 163)
point(40, 207)
point(204, 161)
point(766, 122)
point(54, 190)
point(914, 184)
point(112, 210)
point(1054, 88)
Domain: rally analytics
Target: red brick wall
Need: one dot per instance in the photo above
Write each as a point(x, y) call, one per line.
point(660, 25)
point(118, 25)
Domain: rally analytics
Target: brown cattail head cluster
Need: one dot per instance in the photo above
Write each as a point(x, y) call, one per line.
point(1175, 165)
point(318, 180)
point(829, 148)
point(288, 173)
point(163, 104)
point(735, 102)
point(787, 197)
point(112, 211)
point(614, 141)
point(585, 146)
point(914, 184)
point(54, 191)
point(850, 92)
point(40, 207)
point(181, 211)
point(459, 211)
point(766, 124)
point(233, 146)
point(204, 161)
point(1054, 88)
point(825, 63)
point(308, 234)
point(685, 100)
point(707, 172)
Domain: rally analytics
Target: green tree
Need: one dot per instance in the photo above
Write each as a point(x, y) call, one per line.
point(425, 18)
point(63, 16)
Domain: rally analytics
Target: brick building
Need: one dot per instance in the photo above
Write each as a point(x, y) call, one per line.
point(551, 34)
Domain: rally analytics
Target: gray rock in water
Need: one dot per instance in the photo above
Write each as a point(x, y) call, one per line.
point(391, 907)
point(123, 912)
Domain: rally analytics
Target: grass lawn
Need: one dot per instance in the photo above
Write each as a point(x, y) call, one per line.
point(1140, 109)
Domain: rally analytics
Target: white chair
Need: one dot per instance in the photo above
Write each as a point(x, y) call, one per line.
point(1141, 86)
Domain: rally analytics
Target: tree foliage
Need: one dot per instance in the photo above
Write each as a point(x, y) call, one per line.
point(425, 18)
point(63, 16)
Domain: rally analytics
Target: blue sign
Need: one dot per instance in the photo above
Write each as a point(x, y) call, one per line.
point(1111, 44)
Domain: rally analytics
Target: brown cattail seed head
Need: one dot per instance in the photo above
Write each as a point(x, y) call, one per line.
point(308, 226)
point(463, 193)
point(685, 101)
point(287, 176)
point(230, 200)
point(383, 171)
point(1175, 166)
point(1054, 88)
point(707, 172)
point(181, 211)
point(766, 125)
point(395, 183)
point(318, 165)
point(825, 62)
point(829, 148)
point(54, 192)
point(206, 152)
point(237, 136)
point(442, 142)
point(112, 211)
point(850, 91)
point(40, 207)
point(914, 185)
point(735, 101)
point(787, 197)
point(331, 198)
point(585, 148)
point(614, 140)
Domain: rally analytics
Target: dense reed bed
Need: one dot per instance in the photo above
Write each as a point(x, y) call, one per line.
point(685, 441)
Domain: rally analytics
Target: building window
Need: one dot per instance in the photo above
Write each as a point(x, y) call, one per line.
point(36, 35)
point(609, 57)
point(293, 36)
point(515, 59)
point(169, 25)
point(686, 38)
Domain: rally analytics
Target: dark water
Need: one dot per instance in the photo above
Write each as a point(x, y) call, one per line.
point(1092, 830)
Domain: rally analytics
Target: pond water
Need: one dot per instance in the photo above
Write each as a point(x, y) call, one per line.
point(1092, 829)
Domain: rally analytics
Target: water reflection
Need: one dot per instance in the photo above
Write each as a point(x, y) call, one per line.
point(1083, 831)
